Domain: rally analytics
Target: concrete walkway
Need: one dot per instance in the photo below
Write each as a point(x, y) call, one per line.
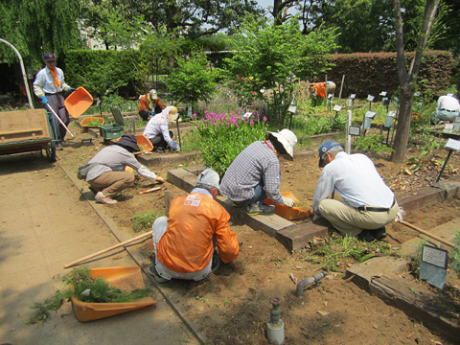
point(43, 225)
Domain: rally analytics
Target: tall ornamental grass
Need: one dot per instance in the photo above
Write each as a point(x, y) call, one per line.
point(224, 136)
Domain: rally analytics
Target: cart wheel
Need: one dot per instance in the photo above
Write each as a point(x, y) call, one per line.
point(50, 149)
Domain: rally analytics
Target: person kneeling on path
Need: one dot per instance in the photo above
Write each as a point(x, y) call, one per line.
point(448, 109)
point(184, 244)
point(368, 204)
point(108, 176)
point(255, 173)
point(150, 104)
point(157, 130)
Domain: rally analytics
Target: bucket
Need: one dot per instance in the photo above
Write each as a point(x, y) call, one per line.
point(85, 122)
point(143, 142)
point(290, 213)
point(78, 102)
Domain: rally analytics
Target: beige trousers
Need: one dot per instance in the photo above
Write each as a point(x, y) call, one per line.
point(112, 183)
point(350, 221)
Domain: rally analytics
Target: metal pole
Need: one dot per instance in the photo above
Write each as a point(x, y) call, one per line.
point(445, 163)
point(341, 88)
point(178, 133)
point(348, 139)
point(24, 74)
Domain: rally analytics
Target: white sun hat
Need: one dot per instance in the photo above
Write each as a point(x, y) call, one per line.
point(153, 94)
point(287, 138)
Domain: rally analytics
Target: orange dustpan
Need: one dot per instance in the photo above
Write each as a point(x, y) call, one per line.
point(290, 213)
point(125, 278)
point(78, 102)
point(143, 142)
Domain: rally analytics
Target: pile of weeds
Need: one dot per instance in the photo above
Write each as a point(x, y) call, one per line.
point(86, 289)
point(339, 252)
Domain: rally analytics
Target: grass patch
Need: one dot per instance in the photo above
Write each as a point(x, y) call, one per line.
point(143, 221)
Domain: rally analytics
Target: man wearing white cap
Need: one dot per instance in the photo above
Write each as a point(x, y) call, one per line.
point(368, 204)
point(150, 104)
point(157, 130)
point(184, 243)
point(255, 175)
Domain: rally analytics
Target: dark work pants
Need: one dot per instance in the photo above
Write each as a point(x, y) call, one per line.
point(56, 101)
point(159, 141)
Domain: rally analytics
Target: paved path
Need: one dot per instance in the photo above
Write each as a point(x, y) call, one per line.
point(44, 224)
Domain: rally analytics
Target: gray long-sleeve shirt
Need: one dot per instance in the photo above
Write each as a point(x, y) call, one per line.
point(116, 158)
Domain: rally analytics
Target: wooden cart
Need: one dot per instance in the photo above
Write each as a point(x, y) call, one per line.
point(28, 130)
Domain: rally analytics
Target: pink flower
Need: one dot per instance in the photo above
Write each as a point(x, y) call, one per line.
point(251, 123)
point(254, 103)
point(264, 118)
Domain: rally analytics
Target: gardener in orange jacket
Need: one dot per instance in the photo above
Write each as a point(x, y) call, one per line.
point(150, 104)
point(184, 243)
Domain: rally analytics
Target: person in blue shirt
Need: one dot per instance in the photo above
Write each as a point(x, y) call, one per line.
point(48, 86)
point(368, 204)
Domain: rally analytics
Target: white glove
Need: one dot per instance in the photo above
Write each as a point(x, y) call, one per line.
point(288, 202)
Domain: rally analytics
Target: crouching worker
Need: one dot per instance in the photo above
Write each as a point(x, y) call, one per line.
point(107, 175)
point(255, 174)
point(157, 130)
point(368, 204)
point(184, 243)
point(150, 104)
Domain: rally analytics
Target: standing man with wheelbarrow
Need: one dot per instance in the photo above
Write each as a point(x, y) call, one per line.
point(48, 86)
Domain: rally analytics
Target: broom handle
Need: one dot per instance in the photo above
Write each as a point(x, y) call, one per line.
point(62, 123)
point(426, 233)
point(109, 249)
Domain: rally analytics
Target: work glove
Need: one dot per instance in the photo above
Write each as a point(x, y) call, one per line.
point(160, 179)
point(177, 149)
point(44, 99)
point(151, 113)
point(288, 202)
point(71, 89)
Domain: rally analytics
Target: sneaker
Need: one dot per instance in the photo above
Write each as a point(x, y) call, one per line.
point(235, 205)
point(152, 271)
point(255, 209)
point(380, 234)
point(104, 199)
point(158, 150)
point(366, 236)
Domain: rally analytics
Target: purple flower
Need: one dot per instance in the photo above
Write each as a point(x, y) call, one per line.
point(264, 118)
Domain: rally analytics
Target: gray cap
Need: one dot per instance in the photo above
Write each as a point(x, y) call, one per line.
point(208, 179)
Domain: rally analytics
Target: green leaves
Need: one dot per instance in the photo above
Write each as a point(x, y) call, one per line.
point(224, 136)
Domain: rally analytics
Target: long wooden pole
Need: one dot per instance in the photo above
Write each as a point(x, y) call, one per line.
point(140, 237)
point(426, 233)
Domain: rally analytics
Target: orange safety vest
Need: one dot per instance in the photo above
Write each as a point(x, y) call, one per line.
point(193, 222)
point(320, 89)
point(144, 103)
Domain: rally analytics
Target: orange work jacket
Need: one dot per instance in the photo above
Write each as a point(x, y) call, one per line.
point(144, 103)
point(187, 244)
point(320, 89)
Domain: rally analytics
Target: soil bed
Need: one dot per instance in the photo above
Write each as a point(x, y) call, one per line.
point(232, 306)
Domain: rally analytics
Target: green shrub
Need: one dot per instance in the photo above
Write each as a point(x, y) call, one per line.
point(224, 136)
point(143, 221)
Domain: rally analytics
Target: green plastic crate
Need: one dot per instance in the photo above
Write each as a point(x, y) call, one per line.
point(115, 130)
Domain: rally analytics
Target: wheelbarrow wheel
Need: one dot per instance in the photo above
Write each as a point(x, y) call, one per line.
point(50, 149)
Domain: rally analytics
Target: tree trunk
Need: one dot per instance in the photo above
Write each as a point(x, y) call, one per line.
point(408, 79)
point(403, 126)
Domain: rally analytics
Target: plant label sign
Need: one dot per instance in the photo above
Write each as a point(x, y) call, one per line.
point(247, 115)
point(189, 111)
point(385, 102)
point(292, 109)
point(433, 266)
point(448, 128)
point(370, 114)
point(353, 96)
point(354, 130)
point(337, 108)
point(370, 98)
point(349, 102)
point(383, 93)
point(453, 145)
